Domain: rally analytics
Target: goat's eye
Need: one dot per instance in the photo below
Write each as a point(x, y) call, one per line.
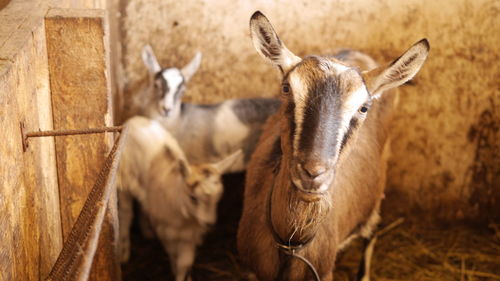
point(157, 86)
point(285, 88)
point(193, 199)
point(194, 184)
point(363, 109)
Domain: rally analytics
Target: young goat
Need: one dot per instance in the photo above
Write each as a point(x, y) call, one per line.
point(316, 179)
point(206, 133)
point(180, 200)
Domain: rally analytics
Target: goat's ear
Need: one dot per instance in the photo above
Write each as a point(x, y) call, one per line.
point(190, 69)
point(268, 44)
point(181, 163)
point(149, 59)
point(184, 169)
point(223, 165)
point(399, 71)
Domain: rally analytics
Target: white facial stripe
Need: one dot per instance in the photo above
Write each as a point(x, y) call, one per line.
point(330, 67)
point(352, 104)
point(356, 99)
point(299, 96)
point(174, 79)
point(340, 68)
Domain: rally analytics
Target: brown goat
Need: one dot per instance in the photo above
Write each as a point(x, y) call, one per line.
point(316, 179)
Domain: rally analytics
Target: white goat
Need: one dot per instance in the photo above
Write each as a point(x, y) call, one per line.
point(206, 133)
point(179, 200)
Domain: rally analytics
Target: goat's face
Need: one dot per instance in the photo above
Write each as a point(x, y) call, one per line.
point(206, 188)
point(328, 103)
point(325, 103)
point(167, 85)
point(168, 88)
point(206, 191)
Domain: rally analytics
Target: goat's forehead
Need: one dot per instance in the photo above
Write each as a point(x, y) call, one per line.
point(330, 66)
point(204, 168)
point(313, 70)
point(173, 76)
point(318, 65)
point(204, 172)
point(208, 177)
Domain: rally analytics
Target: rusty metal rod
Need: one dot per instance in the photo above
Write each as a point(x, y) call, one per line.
point(53, 133)
point(73, 132)
point(75, 259)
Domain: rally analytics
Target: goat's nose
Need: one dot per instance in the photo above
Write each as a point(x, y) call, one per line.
point(166, 111)
point(312, 169)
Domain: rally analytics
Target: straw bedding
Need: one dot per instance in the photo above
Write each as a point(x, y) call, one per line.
point(410, 249)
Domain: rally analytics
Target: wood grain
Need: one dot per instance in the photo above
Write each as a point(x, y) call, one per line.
point(78, 65)
point(30, 227)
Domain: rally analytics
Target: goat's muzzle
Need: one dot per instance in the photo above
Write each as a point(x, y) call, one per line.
point(164, 111)
point(312, 177)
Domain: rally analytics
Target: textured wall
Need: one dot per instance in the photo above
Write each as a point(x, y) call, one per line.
point(446, 140)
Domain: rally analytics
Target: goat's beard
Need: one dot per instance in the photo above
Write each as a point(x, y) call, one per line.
point(306, 216)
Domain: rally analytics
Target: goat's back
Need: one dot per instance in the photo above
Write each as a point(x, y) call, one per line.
point(146, 140)
point(209, 133)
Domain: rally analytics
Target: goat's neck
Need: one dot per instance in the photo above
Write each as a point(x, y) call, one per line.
point(294, 219)
point(173, 121)
point(175, 114)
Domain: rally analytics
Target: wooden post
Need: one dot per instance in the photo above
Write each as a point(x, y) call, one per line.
point(77, 45)
point(30, 226)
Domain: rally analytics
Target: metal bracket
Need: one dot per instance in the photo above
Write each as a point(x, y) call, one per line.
point(23, 137)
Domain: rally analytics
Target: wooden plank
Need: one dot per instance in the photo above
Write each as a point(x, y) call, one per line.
point(27, 208)
point(30, 232)
point(17, 21)
point(77, 42)
point(10, 173)
point(80, 4)
point(50, 217)
point(116, 31)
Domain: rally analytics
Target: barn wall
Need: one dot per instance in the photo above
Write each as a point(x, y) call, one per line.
point(446, 155)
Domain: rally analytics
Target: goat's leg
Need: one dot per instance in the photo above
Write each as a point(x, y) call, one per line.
point(180, 253)
point(125, 216)
point(184, 260)
point(364, 265)
point(250, 276)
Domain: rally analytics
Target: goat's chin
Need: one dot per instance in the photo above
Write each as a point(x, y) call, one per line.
point(309, 195)
point(205, 223)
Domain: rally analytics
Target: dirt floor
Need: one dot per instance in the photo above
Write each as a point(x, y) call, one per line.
point(406, 250)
